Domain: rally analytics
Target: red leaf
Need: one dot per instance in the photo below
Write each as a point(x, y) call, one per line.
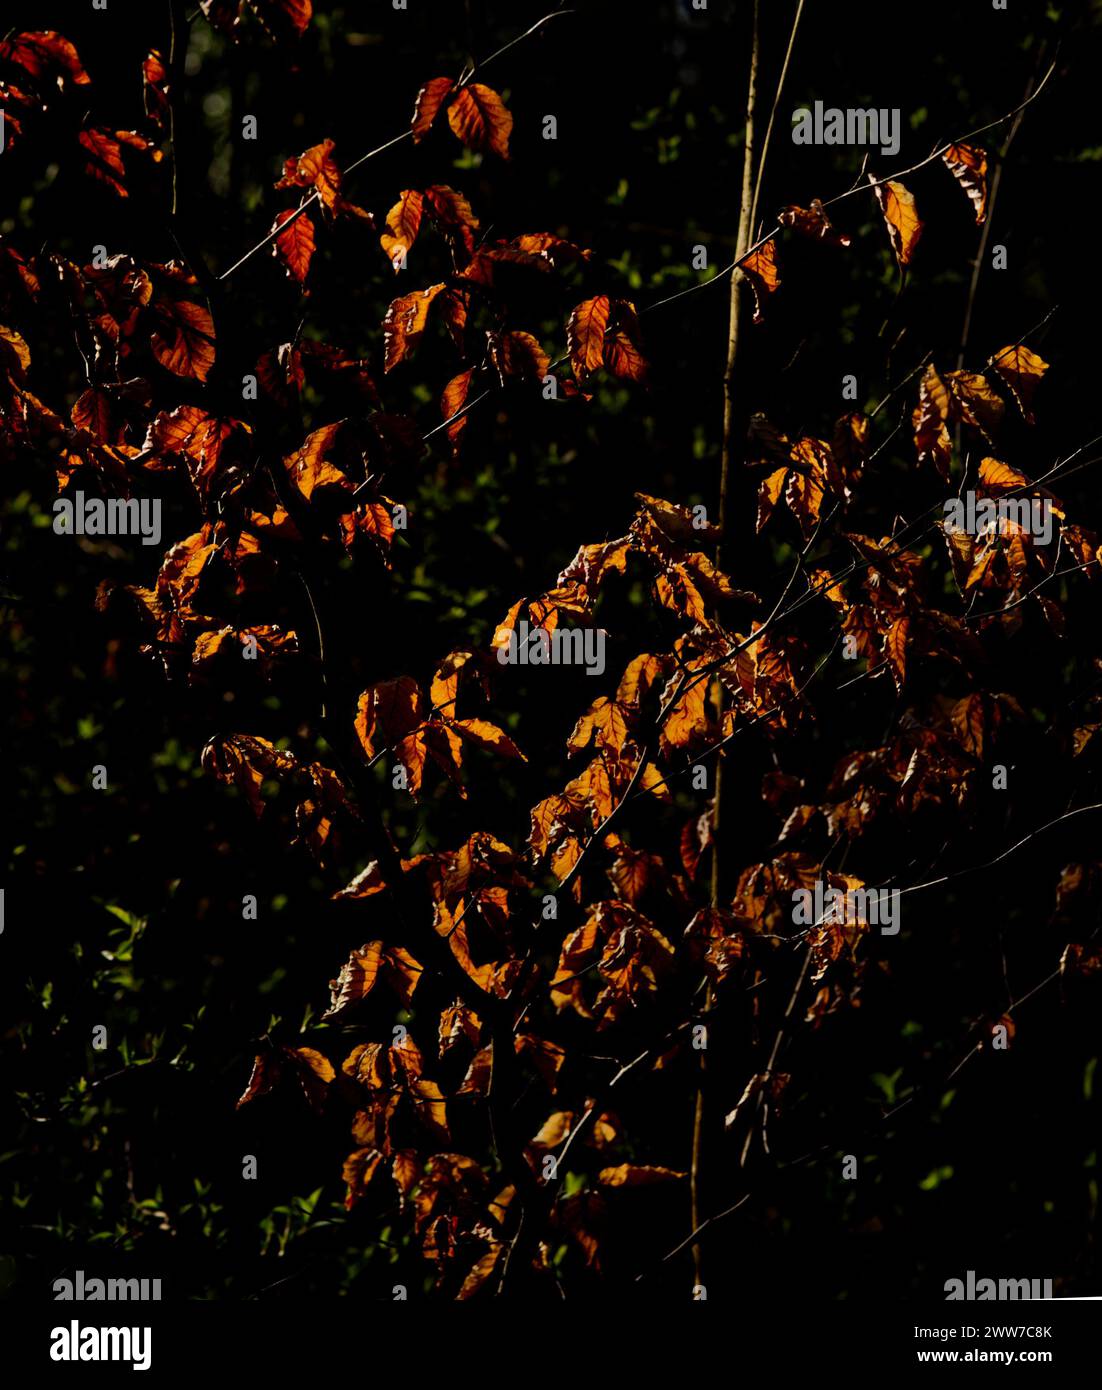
point(294, 245)
point(45, 54)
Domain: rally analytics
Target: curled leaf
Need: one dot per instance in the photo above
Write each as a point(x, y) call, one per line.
point(897, 205)
point(968, 165)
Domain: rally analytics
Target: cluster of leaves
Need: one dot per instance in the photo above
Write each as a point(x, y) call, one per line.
point(513, 964)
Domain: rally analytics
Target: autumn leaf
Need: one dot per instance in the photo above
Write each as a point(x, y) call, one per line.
point(804, 492)
point(93, 411)
point(315, 168)
point(404, 324)
point(478, 118)
point(283, 18)
point(14, 352)
point(760, 269)
point(636, 1175)
point(45, 54)
point(487, 735)
point(623, 356)
point(931, 432)
point(356, 979)
point(155, 87)
point(606, 721)
point(366, 884)
point(769, 494)
point(452, 402)
point(452, 213)
point(897, 206)
point(895, 650)
point(309, 467)
point(811, 222)
point(970, 718)
point(402, 223)
point(294, 243)
point(518, 354)
point(968, 165)
point(975, 402)
point(429, 101)
point(551, 248)
point(480, 1273)
point(1022, 371)
point(184, 342)
point(104, 155)
point(359, 1168)
point(998, 477)
point(585, 336)
point(387, 712)
point(246, 761)
point(314, 1071)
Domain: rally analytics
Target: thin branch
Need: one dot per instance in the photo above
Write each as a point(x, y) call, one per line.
point(773, 114)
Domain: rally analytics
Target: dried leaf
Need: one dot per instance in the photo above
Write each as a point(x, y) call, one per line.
point(897, 206)
point(968, 165)
point(294, 245)
point(585, 336)
point(1022, 371)
point(479, 119)
point(429, 101)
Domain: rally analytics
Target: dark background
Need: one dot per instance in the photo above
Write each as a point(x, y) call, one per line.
point(123, 908)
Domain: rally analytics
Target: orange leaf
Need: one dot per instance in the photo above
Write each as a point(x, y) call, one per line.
point(488, 735)
point(622, 355)
point(359, 1168)
point(929, 417)
point(968, 165)
point(895, 650)
point(904, 225)
point(452, 401)
point(585, 335)
point(402, 223)
point(479, 119)
point(452, 212)
point(387, 712)
point(308, 467)
point(1022, 371)
point(1000, 477)
point(366, 884)
point(969, 721)
point(190, 349)
point(154, 86)
point(294, 245)
point(14, 352)
point(975, 401)
point(404, 323)
point(760, 270)
point(245, 761)
point(429, 101)
point(356, 979)
point(518, 354)
point(315, 168)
